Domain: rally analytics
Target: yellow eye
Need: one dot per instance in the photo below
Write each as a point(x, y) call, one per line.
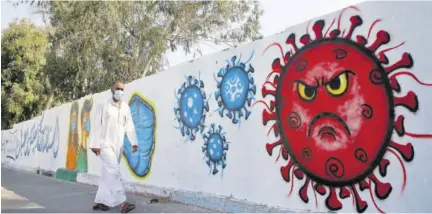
point(307, 93)
point(338, 85)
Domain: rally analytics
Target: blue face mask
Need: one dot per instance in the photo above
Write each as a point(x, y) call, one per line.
point(87, 125)
point(73, 126)
point(118, 94)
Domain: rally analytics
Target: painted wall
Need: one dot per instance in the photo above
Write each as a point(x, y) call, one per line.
point(331, 114)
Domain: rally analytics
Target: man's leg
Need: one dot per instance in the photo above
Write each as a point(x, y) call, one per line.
point(110, 191)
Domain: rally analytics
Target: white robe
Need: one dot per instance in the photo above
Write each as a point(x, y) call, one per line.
point(110, 123)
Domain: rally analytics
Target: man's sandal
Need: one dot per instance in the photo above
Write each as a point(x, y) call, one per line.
point(99, 206)
point(127, 207)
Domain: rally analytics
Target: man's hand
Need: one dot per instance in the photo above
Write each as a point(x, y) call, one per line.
point(96, 151)
point(134, 148)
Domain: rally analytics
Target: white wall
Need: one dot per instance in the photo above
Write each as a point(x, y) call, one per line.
point(250, 172)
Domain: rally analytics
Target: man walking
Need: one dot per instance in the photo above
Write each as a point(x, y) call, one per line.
point(110, 123)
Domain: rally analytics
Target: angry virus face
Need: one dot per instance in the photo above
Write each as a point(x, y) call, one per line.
point(332, 104)
point(335, 99)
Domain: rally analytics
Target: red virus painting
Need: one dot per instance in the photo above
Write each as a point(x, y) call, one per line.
point(330, 102)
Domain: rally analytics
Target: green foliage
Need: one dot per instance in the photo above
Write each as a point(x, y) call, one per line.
point(103, 41)
point(22, 81)
point(93, 43)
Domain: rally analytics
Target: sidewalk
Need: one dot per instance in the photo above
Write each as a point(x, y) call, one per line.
point(26, 192)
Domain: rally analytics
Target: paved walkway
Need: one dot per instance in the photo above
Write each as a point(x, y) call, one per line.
point(26, 192)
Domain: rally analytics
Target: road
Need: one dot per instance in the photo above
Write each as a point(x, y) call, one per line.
point(26, 192)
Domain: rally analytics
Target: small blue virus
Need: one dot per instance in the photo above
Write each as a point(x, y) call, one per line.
point(215, 148)
point(191, 107)
point(235, 89)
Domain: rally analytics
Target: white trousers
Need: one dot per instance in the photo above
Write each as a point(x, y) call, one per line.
point(110, 191)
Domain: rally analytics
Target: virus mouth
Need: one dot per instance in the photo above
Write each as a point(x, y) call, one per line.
point(327, 118)
point(327, 132)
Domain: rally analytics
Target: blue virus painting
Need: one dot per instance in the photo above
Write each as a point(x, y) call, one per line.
point(192, 105)
point(235, 89)
point(215, 148)
point(144, 119)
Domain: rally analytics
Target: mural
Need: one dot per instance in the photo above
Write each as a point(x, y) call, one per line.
point(26, 141)
point(333, 109)
point(215, 148)
point(192, 105)
point(85, 133)
point(144, 119)
point(72, 147)
point(235, 89)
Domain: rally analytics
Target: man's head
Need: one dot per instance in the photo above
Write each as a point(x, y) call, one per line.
point(117, 89)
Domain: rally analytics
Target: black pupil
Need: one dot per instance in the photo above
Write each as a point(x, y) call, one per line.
point(335, 83)
point(121, 89)
point(309, 91)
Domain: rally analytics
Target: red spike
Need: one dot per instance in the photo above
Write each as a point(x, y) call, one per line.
point(344, 193)
point(360, 204)
point(276, 80)
point(305, 39)
point(303, 191)
point(332, 200)
point(361, 40)
point(334, 33)
point(406, 150)
point(284, 153)
point(320, 189)
point(409, 101)
point(269, 83)
point(363, 185)
point(268, 116)
point(299, 174)
point(291, 41)
point(318, 28)
point(272, 105)
point(383, 166)
point(405, 62)
point(383, 58)
point(276, 130)
point(287, 56)
point(271, 146)
point(403, 168)
point(355, 22)
point(285, 171)
point(276, 65)
point(399, 125)
point(315, 195)
point(382, 190)
point(383, 37)
point(371, 27)
point(373, 200)
point(412, 76)
point(394, 84)
point(266, 92)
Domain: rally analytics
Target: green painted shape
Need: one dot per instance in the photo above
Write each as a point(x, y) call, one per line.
point(82, 160)
point(66, 174)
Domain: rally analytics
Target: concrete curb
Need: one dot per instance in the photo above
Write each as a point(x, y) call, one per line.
point(66, 174)
point(212, 202)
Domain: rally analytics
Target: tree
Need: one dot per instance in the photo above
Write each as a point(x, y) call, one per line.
point(97, 42)
point(23, 51)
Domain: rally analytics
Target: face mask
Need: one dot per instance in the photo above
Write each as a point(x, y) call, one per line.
point(118, 94)
point(73, 126)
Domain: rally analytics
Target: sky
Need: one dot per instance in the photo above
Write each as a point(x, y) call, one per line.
point(278, 15)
